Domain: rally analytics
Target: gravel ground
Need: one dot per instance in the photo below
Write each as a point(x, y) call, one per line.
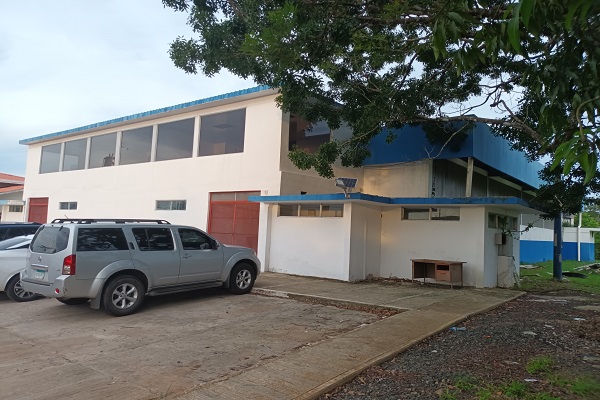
point(492, 350)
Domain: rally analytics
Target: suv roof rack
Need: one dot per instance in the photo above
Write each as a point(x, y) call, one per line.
point(115, 220)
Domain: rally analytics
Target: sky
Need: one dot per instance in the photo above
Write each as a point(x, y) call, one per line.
point(69, 63)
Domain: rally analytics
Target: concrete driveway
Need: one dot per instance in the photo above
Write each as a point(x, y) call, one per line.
point(174, 344)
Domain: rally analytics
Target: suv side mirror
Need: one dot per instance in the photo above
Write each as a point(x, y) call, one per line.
point(215, 244)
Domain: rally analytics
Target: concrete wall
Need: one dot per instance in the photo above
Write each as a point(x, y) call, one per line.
point(464, 240)
point(310, 246)
point(537, 244)
point(365, 242)
point(130, 191)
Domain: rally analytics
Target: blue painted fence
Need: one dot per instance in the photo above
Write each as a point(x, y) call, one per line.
point(536, 251)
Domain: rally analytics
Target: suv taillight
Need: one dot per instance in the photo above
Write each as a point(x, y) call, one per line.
point(69, 265)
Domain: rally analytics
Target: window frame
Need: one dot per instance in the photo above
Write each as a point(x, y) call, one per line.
point(69, 205)
point(299, 212)
point(12, 208)
point(170, 207)
point(430, 212)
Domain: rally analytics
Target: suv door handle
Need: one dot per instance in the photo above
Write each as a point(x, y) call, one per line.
point(186, 256)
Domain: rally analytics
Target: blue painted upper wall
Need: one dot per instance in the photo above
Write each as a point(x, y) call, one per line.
point(147, 113)
point(411, 144)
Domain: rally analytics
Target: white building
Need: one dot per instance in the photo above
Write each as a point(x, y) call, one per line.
point(221, 164)
point(11, 198)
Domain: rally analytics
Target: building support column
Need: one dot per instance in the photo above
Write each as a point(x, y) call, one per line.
point(558, 243)
point(469, 187)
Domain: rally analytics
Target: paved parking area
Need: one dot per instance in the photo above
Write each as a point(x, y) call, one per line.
point(174, 344)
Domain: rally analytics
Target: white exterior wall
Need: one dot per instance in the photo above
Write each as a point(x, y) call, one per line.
point(131, 191)
point(492, 250)
point(585, 235)
point(365, 242)
point(404, 180)
point(310, 246)
point(16, 199)
point(464, 240)
point(538, 234)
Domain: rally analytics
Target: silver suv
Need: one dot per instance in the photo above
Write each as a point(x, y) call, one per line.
point(116, 263)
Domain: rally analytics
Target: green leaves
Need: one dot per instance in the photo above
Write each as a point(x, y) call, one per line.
point(513, 29)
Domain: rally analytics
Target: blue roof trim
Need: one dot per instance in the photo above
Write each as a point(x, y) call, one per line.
point(397, 200)
point(148, 113)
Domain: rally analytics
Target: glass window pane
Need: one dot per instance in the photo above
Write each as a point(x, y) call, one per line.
point(222, 133)
point(136, 146)
point(178, 205)
point(492, 223)
point(192, 239)
point(288, 210)
point(310, 210)
point(163, 205)
point(307, 136)
point(224, 196)
point(153, 239)
point(416, 213)
point(332, 210)
point(50, 239)
point(102, 150)
point(101, 239)
point(74, 157)
point(445, 214)
point(175, 140)
point(243, 196)
point(50, 161)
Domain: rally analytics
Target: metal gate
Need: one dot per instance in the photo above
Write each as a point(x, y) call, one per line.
point(233, 219)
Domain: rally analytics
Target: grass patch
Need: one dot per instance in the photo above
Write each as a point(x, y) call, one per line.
point(467, 386)
point(540, 364)
point(540, 279)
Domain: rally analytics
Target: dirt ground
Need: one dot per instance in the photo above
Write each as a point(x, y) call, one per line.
point(175, 343)
point(487, 356)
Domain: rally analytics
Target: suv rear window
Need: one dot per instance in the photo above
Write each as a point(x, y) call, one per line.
point(101, 239)
point(153, 239)
point(50, 239)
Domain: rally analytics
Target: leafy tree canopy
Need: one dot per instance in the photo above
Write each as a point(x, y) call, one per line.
point(529, 66)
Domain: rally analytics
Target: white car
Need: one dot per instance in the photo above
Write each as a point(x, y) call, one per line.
point(13, 259)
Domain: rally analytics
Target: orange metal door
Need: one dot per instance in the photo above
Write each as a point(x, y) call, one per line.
point(38, 210)
point(235, 220)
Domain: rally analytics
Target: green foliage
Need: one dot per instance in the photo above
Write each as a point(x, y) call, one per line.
point(391, 63)
point(515, 390)
point(539, 364)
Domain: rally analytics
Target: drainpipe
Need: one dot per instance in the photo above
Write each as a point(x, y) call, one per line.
point(578, 240)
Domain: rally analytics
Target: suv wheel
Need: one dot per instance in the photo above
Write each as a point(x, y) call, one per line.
point(123, 295)
point(242, 279)
point(15, 291)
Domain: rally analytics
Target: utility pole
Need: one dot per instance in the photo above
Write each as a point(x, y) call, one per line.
point(558, 242)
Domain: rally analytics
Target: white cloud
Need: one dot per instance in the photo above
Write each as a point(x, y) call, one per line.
point(69, 63)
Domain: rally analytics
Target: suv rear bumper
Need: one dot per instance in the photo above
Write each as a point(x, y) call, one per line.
point(63, 287)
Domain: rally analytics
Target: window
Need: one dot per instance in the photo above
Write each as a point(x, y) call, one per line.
point(433, 214)
point(416, 213)
point(153, 239)
point(335, 210)
point(222, 133)
point(171, 205)
point(15, 209)
point(101, 239)
point(445, 214)
point(67, 205)
point(175, 140)
point(504, 222)
point(306, 136)
point(192, 239)
point(50, 239)
point(311, 210)
point(74, 157)
point(136, 146)
point(102, 150)
point(50, 161)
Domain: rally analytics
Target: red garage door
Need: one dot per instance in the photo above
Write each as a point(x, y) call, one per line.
point(38, 210)
point(233, 219)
